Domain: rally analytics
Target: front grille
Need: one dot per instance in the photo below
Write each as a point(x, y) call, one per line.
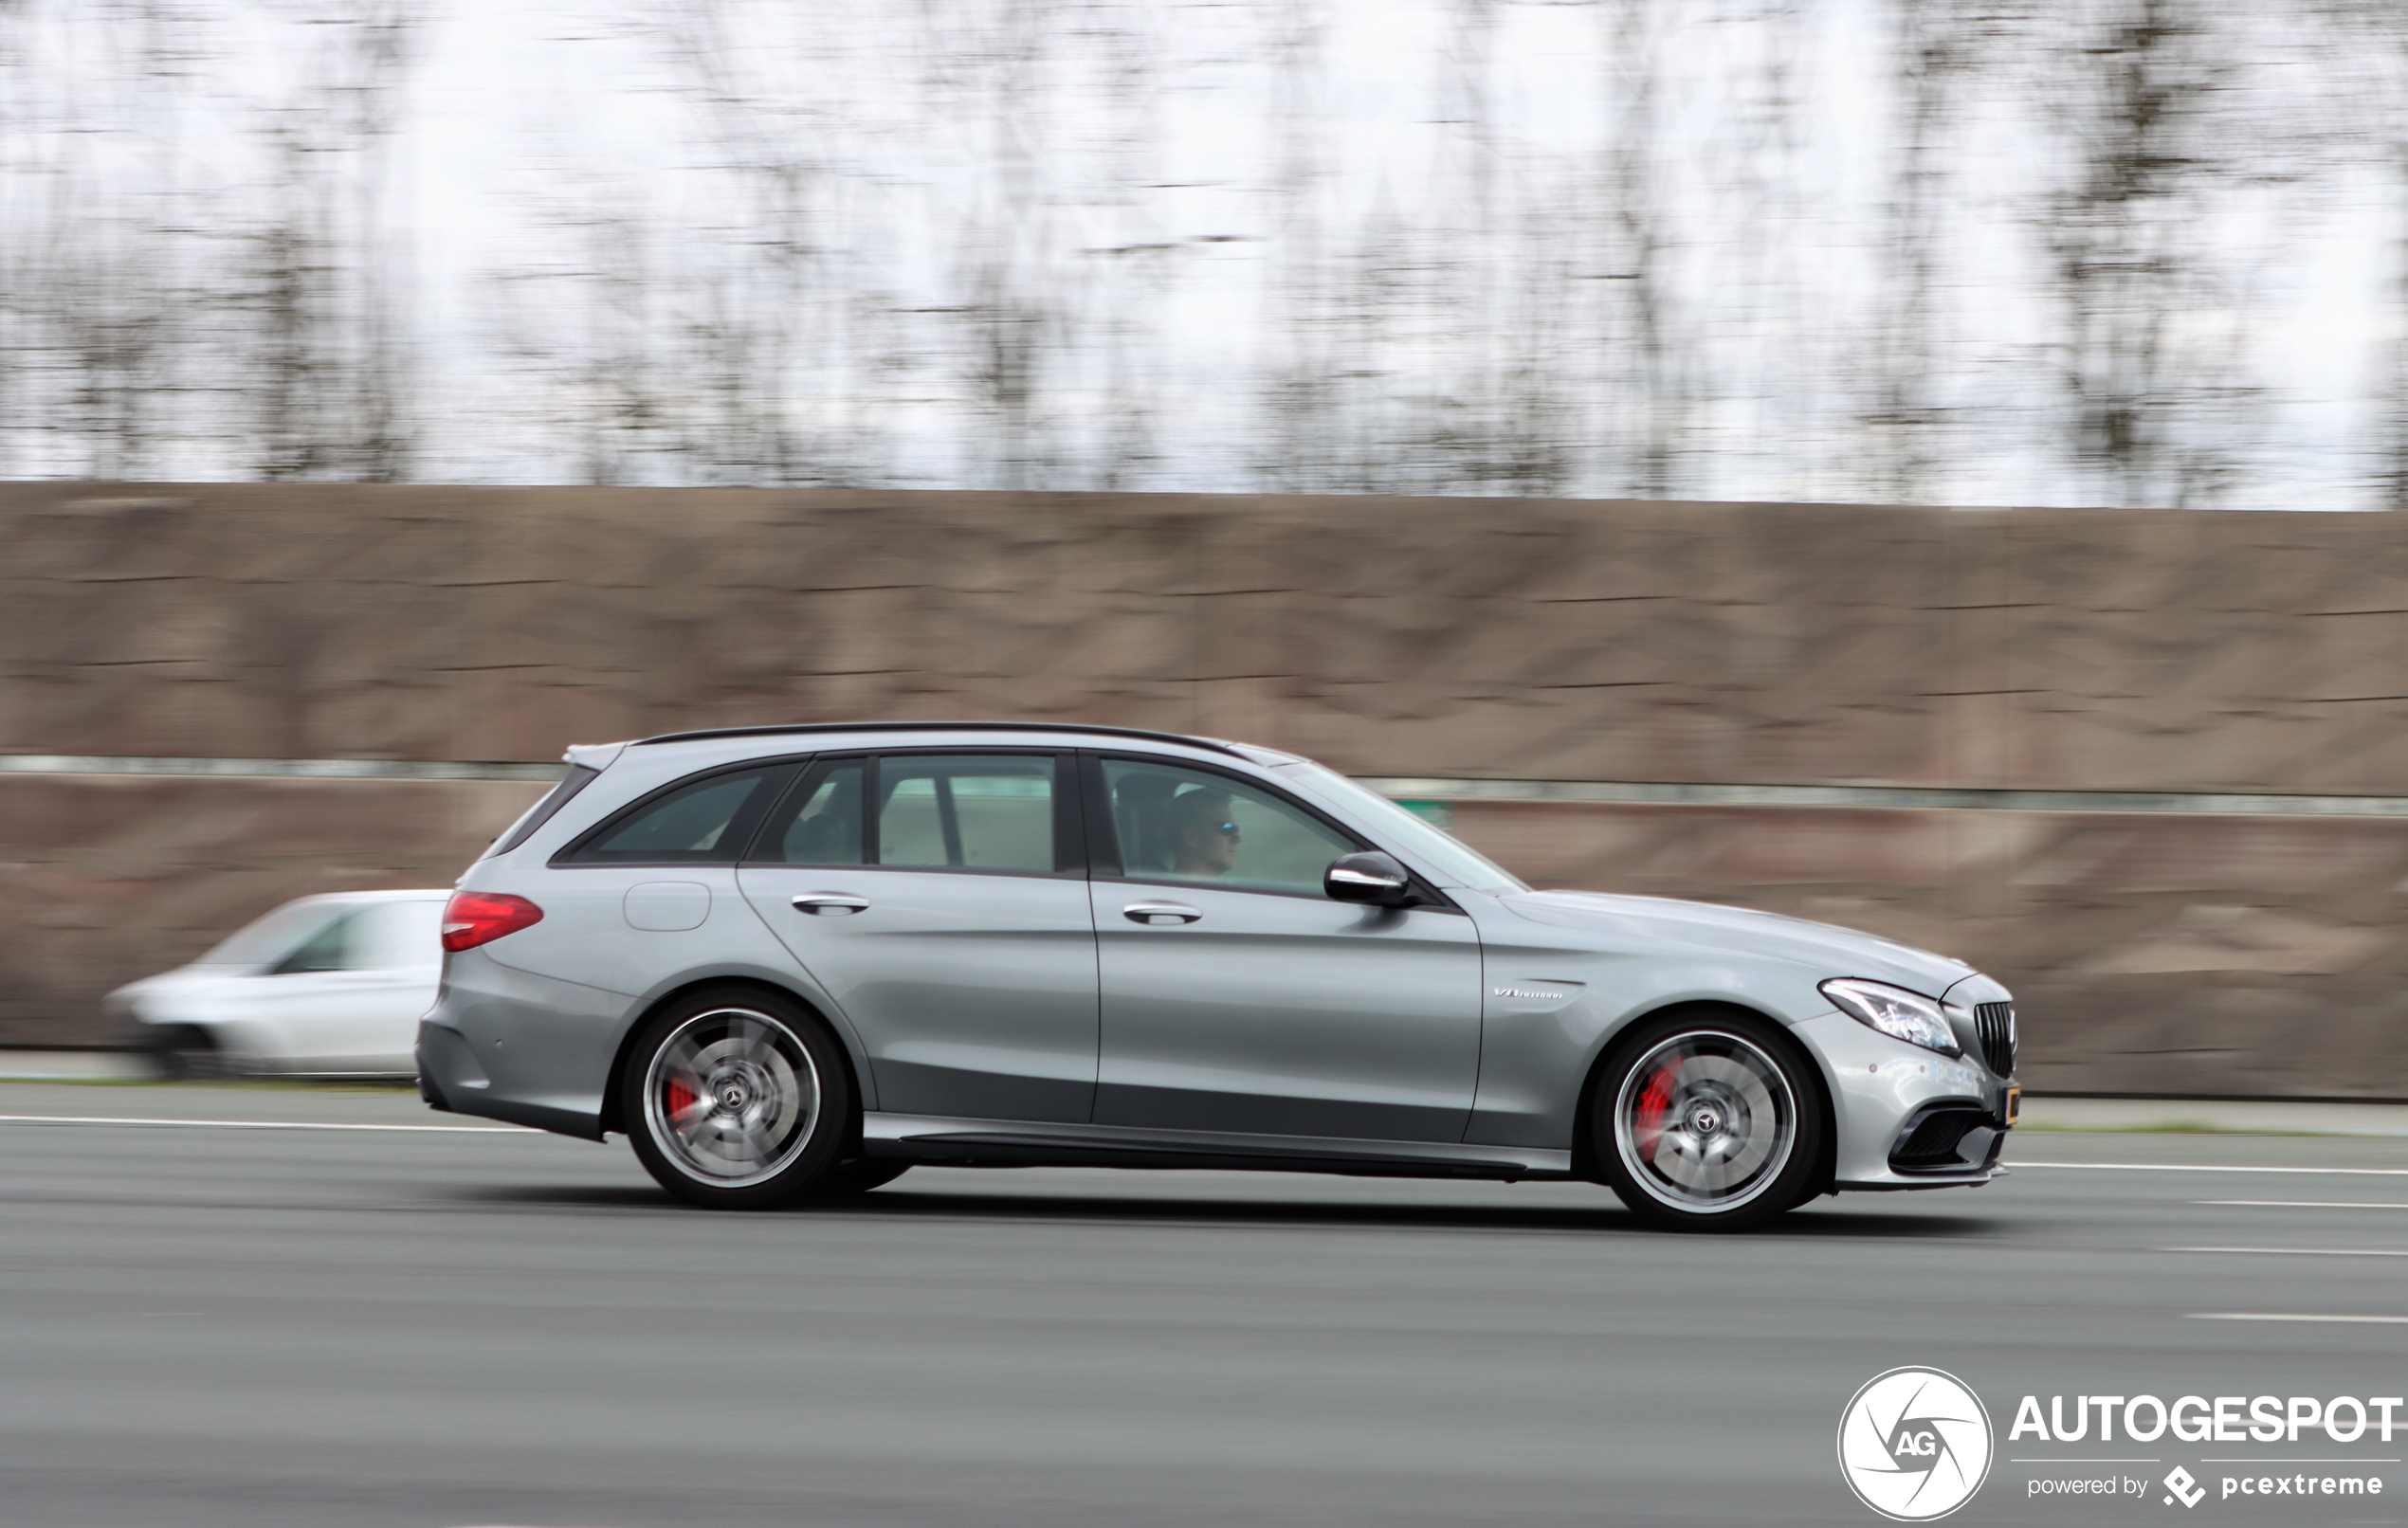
point(1995, 1022)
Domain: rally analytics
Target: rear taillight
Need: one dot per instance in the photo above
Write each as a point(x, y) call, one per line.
point(475, 917)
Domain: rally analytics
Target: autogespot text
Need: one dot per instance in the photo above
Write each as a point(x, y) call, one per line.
point(2197, 1419)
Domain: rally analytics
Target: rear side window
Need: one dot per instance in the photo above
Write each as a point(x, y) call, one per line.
point(704, 821)
point(820, 823)
point(967, 812)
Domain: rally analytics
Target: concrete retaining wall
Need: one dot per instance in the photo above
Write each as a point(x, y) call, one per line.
point(1720, 643)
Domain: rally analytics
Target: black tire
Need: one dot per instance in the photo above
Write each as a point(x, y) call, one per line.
point(859, 1176)
point(1706, 1119)
point(736, 1099)
point(182, 1052)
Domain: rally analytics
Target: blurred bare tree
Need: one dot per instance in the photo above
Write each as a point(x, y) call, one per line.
point(2162, 123)
point(100, 290)
point(1649, 389)
point(2036, 250)
point(327, 378)
point(2374, 33)
point(1936, 47)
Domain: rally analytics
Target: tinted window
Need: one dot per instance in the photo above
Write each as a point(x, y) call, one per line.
point(700, 821)
point(329, 948)
point(967, 811)
point(270, 938)
point(374, 937)
point(820, 823)
point(1185, 825)
point(1457, 863)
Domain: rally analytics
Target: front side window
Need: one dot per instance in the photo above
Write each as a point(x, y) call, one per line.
point(1457, 863)
point(332, 947)
point(703, 822)
point(1180, 824)
point(270, 938)
point(970, 812)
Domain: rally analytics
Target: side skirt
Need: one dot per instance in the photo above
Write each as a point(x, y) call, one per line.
point(940, 1140)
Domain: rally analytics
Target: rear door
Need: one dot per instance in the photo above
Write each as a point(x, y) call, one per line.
point(939, 899)
point(1237, 996)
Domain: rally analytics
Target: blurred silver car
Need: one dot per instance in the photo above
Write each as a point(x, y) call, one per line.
point(329, 985)
point(794, 962)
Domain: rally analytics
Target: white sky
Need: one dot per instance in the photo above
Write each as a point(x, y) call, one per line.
point(519, 118)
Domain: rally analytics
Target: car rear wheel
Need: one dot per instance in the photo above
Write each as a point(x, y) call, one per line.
point(737, 1099)
point(1708, 1120)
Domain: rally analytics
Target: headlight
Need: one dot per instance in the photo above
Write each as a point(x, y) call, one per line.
point(1895, 1011)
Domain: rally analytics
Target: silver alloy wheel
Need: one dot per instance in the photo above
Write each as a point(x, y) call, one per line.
point(731, 1097)
point(1705, 1121)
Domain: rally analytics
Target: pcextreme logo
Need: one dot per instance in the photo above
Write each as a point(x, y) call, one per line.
point(1915, 1443)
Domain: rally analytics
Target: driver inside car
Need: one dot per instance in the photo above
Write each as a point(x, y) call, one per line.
point(1203, 834)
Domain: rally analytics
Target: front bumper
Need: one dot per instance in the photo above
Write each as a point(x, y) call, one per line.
point(1883, 1090)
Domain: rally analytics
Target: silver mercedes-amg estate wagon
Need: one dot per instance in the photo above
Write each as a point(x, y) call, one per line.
point(794, 962)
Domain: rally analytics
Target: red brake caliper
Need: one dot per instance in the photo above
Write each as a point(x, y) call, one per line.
point(681, 1097)
point(1654, 1103)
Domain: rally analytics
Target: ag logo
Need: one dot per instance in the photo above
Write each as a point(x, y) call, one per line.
point(1915, 1443)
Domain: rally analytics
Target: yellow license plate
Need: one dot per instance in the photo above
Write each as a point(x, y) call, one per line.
point(2014, 1103)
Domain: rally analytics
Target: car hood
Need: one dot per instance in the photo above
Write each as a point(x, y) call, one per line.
point(183, 982)
point(1830, 950)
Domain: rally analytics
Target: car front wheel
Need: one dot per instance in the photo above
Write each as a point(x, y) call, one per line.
point(1708, 1120)
point(184, 1053)
point(737, 1099)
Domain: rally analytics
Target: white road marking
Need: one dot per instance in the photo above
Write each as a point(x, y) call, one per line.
point(2202, 1166)
point(258, 1124)
point(2289, 1315)
point(2302, 1251)
point(2303, 1204)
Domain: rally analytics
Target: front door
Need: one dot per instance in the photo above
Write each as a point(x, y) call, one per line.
point(350, 998)
point(1237, 996)
point(940, 900)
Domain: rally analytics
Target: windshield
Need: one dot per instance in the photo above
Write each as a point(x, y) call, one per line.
point(271, 937)
point(1453, 861)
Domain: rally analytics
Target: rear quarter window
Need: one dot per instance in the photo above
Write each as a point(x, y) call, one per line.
point(701, 821)
point(544, 811)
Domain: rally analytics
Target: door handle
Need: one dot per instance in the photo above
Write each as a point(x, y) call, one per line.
point(830, 903)
point(1160, 913)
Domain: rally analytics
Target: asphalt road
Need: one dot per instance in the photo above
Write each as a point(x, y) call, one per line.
point(262, 1327)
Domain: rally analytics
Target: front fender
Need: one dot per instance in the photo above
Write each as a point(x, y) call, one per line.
point(1537, 1051)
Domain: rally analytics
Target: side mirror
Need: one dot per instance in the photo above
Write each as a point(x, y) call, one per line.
point(1372, 877)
